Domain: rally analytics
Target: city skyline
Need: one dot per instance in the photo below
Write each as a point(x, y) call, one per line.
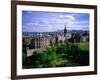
point(39, 21)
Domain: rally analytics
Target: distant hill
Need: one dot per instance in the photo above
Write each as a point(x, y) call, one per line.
point(58, 31)
point(73, 31)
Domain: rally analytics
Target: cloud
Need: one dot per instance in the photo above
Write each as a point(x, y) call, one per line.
point(68, 17)
point(55, 24)
point(80, 22)
point(78, 25)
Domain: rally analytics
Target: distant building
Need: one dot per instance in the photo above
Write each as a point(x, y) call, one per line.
point(85, 37)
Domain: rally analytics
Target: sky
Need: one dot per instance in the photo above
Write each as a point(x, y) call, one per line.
point(40, 21)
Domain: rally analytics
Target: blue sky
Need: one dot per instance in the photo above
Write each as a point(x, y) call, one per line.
point(37, 21)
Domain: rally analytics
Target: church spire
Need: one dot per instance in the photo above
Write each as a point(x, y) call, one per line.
point(65, 30)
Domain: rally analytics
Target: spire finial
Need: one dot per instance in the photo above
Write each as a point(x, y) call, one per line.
point(65, 26)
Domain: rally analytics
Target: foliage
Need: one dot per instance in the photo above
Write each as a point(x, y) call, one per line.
point(59, 55)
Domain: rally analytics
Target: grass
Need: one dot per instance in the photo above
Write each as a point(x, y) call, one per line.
point(83, 46)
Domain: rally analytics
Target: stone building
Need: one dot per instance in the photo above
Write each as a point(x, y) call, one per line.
point(40, 41)
point(36, 41)
point(85, 37)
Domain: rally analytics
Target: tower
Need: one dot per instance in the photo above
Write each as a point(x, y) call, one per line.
point(65, 31)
